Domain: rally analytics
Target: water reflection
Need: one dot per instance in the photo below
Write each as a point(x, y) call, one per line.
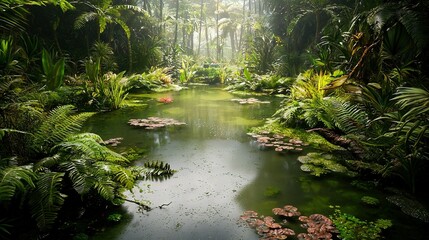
point(221, 171)
point(213, 160)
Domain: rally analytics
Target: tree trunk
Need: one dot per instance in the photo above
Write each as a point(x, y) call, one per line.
point(201, 26)
point(217, 31)
point(232, 36)
point(207, 39)
point(176, 30)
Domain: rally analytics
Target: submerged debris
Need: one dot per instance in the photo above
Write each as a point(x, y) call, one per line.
point(410, 207)
point(154, 122)
point(277, 141)
point(113, 141)
point(248, 100)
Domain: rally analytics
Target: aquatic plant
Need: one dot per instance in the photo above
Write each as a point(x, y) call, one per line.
point(266, 227)
point(165, 100)
point(114, 217)
point(154, 122)
point(113, 141)
point(271, 192)
point(319, 164)
point(317, 226)
point(248, 100)
point(368, 200)
point(351, 227)
point(266, 139)
point(287, 211)
point(312, 139)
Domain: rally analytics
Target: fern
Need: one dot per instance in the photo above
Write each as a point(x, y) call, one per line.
point(105, 188)
point(76, 170)
point(88, 145)
point(57, 126)
point(46, 200)
point(15, 179)
point(350, 119)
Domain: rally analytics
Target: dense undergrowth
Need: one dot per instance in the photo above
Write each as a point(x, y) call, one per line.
point(355, 75)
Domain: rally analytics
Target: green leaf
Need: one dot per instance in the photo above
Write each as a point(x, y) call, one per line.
point(46, 200)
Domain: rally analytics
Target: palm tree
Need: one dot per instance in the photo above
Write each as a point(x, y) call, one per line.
point(105, 13)
point(14, 12)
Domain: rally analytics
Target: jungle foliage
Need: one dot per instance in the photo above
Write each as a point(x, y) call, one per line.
point(367, 78)
point(354, 69)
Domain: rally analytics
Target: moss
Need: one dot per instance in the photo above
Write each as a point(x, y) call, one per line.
point(313, 139)
point(319, 164)
point(134, 103)
point(272, 192)
point(371, 201)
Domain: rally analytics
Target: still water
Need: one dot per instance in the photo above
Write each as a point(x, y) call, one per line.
point(221, 172)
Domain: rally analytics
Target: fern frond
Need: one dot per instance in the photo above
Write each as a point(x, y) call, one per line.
point(14, 179)
point(105, 188)
point(77, 173)
point(46, 199)
point(58, 125)
point(123, 176)
point(350, 119)
point(48, 162)
point(88, 145)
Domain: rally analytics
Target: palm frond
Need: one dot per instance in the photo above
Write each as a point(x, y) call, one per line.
point(46, 199)
point(84, 18)
point(414, 100)
point(124, 27)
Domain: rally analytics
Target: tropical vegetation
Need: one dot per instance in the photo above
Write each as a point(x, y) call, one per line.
point(355, 72)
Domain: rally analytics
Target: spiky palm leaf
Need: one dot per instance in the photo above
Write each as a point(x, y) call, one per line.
point(414, 123)
point(58, 125)
point(46, 199)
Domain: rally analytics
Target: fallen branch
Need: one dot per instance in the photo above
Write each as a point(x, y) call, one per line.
point(144, 206)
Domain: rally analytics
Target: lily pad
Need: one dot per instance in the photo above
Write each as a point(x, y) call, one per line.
point(319, 164)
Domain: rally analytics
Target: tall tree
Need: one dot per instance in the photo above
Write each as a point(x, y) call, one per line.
point(105, 13)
